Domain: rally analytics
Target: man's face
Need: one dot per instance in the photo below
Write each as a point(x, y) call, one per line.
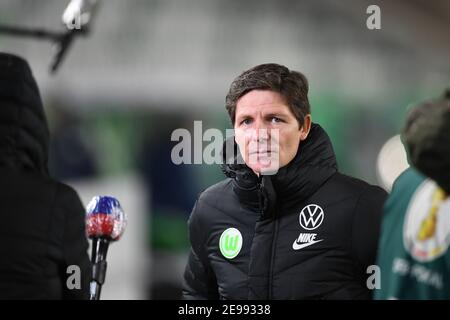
point(266, 131)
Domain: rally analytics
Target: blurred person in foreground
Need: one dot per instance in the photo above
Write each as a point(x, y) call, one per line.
point(285, 224)
point(42, 229)
point(413, 252)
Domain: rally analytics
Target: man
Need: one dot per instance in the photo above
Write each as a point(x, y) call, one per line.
point(42, 229)
point(413, 253)
point(286, 224)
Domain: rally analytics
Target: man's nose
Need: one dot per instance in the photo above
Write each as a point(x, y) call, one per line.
point(260, 131)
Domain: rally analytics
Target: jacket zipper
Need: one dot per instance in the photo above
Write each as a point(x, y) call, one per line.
point(275, 235)
point(272, 258)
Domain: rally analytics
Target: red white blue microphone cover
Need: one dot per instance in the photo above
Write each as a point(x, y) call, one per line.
point(105, 218)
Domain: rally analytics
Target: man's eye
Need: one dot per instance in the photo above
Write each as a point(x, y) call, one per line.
point(276, 120)
point(246, 121)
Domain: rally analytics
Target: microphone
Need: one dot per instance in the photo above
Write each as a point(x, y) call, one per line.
point(77, 18)
point(105, 223)
point(79, 13)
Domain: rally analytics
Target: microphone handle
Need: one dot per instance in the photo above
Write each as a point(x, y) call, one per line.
point(63, 45)
point(98, 259)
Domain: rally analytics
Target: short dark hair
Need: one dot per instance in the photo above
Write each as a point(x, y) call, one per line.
point(292, 85)
point(427, 139)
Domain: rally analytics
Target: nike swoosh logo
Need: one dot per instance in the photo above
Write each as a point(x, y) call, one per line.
point(297, 246)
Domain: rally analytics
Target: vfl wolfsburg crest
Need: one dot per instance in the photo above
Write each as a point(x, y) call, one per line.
point(230, 243)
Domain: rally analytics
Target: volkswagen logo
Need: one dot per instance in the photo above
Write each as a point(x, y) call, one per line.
point(311, 217)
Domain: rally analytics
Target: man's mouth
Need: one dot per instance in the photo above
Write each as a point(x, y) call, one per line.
point(261, 152)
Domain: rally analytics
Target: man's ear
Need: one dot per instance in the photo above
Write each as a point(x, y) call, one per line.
point(306, 127)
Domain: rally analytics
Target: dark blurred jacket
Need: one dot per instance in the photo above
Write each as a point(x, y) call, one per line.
point(42, 229)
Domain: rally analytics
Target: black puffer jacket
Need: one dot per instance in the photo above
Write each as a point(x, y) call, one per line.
point(41, 220)
point(307, 232)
